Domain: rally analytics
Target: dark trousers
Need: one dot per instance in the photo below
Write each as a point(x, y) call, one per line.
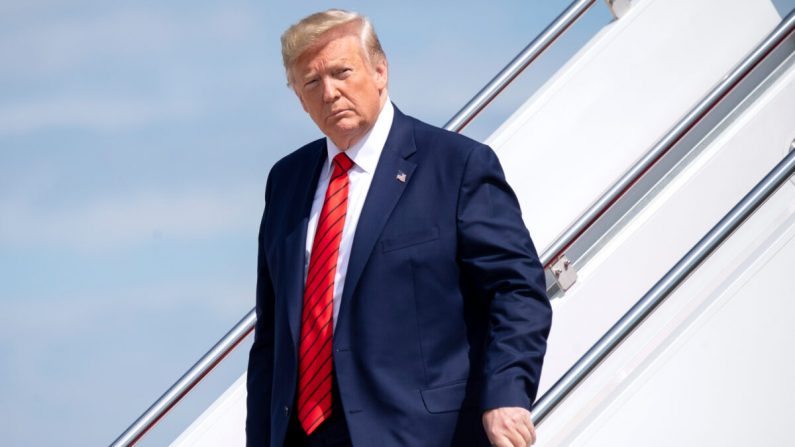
point(333, 432)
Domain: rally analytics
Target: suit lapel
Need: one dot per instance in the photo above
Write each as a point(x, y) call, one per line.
point(295, 242)
point(393, 173)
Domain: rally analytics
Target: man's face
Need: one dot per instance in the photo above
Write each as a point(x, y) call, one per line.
point(339, 88)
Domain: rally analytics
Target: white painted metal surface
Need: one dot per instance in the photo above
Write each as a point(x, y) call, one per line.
point(700, 194)
point(699, 368)
point(589, 123)
point(712, 365)
point(614, 100)
point(223, 423)
point(619, 7)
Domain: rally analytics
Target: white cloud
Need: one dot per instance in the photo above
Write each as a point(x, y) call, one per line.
point(113, 349)
point(92, 114)
point(69, 41)
point(226, 298)
point(49, 65)
point(123, 221)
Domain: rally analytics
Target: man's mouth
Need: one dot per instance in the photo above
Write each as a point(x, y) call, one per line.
point(338, 112)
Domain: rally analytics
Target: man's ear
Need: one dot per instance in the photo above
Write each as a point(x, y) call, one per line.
point(300, 99)
point(291, 84)
point(381, 74)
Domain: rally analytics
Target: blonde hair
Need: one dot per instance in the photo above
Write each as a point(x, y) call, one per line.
point(308, 31)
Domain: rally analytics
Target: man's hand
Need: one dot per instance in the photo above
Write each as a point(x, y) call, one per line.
point(509, 427)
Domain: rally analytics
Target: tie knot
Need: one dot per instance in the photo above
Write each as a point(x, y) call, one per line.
point(343, 161)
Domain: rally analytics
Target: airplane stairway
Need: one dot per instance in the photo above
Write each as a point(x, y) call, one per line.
point(622, 162)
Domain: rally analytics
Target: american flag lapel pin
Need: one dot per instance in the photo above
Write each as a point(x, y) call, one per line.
point(401, 176)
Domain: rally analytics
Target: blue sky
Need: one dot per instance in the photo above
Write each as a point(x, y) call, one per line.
point(135, 140)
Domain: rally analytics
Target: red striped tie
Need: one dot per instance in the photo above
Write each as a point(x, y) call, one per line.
point(314, 355)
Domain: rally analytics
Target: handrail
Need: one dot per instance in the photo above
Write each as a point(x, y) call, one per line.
point(245, 326)
point(518, 64)
point(187, 382)
point(587, 219)
point(664, 287)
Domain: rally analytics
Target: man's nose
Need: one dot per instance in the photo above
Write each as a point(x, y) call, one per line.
point(330, 90)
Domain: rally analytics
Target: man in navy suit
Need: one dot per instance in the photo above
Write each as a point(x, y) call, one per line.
point(400, 300)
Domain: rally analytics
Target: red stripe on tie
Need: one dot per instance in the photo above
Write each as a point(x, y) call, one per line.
point(314, 353)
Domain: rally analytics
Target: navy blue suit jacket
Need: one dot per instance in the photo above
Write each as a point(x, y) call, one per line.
point(443, 313)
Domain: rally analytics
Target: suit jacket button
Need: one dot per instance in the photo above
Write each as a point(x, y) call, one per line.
point(286, 410)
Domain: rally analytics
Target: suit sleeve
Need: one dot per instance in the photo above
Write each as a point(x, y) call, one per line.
point(498, 258)
point(260, 362)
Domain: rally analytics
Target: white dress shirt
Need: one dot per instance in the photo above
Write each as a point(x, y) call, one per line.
point(365, 154)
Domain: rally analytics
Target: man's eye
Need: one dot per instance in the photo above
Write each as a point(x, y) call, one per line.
point(310, 83)
point(344, 73)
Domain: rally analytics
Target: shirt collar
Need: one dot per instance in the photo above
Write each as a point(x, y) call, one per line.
point(366, 152)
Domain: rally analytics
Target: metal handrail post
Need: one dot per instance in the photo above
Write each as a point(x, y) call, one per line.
point(664, 287)
point(587, 219)
point(186, 383)
point(518, 64)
